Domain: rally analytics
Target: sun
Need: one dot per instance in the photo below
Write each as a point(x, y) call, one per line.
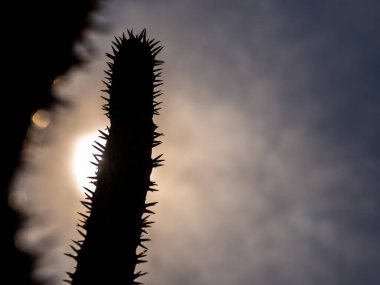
point(83, 155)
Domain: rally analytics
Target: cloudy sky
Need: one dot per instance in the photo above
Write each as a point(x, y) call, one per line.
point(271, 114)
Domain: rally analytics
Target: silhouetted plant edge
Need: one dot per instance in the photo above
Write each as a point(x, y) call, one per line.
point(108, 252)
point(49, 56)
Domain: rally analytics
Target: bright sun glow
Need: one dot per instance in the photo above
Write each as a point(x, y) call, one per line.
point(83, 155)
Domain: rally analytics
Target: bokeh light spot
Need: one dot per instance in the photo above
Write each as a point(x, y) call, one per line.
point(41, 118)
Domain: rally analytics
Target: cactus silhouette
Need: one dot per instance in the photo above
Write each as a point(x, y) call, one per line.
point(114, 227)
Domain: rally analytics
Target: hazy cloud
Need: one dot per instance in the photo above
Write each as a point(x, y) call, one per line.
point(270, 119)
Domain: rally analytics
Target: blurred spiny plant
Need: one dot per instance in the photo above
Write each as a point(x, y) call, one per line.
point(50, 56)
point(114, 227)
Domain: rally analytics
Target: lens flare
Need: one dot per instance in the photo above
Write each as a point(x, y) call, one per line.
point(41, 118)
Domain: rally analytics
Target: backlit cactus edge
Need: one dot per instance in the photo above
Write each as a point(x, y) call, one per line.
point(114, 227)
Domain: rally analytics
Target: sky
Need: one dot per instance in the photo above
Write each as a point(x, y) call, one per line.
point(271, 114)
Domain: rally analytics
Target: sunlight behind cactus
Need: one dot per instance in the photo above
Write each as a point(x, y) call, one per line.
point(81, 165)
point(114, 227)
